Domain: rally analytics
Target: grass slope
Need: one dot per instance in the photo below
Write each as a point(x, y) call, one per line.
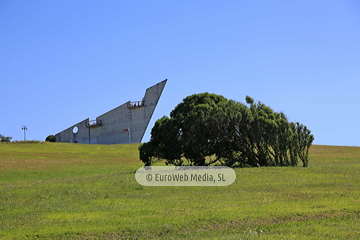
point(67, 191)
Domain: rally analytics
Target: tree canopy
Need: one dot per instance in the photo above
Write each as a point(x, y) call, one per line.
point(50, 138)
point(4, 139)
point(208, 129)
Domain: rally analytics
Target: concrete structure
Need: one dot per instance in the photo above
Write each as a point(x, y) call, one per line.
point(128, 122)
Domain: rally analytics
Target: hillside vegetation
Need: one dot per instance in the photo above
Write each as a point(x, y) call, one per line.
point(67, 191)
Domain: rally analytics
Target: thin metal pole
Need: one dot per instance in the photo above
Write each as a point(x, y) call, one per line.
point(129, 135)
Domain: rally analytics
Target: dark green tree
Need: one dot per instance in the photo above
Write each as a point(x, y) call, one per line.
point(4, 139)
point(50, 138)
point(207, 129)
point(188, 135)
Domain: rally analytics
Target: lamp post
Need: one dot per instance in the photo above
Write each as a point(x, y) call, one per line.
point(24, 128)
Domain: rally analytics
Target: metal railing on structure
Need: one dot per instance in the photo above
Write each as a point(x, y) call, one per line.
point(93, 123)
point(135, 104)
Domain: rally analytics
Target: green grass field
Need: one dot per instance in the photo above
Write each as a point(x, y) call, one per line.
point(76, 191)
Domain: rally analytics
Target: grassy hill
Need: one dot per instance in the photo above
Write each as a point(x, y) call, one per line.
point(67, 191)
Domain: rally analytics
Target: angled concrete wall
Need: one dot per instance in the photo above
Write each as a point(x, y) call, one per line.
point(109, 127)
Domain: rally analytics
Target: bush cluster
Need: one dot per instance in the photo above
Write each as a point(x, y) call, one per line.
point(50, 138)
point(4, 139)
point(208, 129)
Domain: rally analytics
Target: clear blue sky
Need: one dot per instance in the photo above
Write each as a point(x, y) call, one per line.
point(64, 61)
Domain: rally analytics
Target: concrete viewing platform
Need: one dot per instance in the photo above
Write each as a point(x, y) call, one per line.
point(108, 128)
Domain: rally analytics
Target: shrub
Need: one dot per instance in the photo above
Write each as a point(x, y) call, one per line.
point(50, 138)
point(5, 139)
